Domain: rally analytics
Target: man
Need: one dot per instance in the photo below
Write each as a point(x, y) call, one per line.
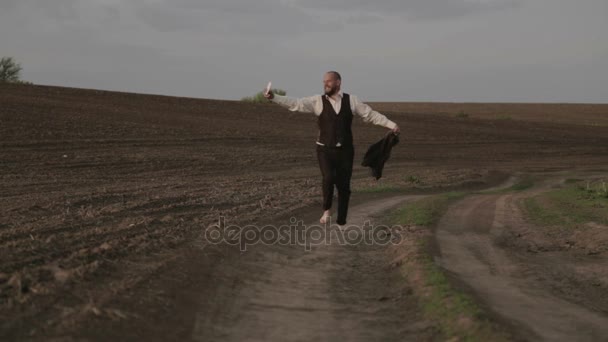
point(335, 150)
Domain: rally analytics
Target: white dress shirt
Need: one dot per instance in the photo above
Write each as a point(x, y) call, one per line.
point(314, 104)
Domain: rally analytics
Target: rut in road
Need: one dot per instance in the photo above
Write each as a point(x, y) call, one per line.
point(331, 292)
point(467, 235)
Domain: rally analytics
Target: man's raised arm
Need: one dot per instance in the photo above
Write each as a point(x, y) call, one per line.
point(303, 104)
point(370, 115)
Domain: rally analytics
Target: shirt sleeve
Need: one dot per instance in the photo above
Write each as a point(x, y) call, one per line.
point(370, 115)
point(303, 104)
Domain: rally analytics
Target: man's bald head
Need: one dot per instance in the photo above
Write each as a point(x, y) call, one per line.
point(335, 74)
point(332, 82)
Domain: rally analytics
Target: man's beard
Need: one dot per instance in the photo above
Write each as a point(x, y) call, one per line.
point(331, 92)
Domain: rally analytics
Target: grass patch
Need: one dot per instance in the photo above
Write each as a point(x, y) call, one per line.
point(456, 313)
point(462, 114)
point(414, 179)
point(572, 205)
point(540, 215)
point(427, 211)
point(522, 184)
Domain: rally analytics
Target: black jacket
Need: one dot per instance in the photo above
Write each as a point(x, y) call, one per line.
point(378, 154)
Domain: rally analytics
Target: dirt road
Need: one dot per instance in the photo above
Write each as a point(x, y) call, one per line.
point(275, 292)
point(332, 292)
point(531, 291)
point(281, 292)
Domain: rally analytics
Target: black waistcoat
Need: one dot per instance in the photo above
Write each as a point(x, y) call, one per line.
point(336, 128)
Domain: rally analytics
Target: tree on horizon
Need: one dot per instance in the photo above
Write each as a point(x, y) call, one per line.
point(259, 97)
point(10, 71)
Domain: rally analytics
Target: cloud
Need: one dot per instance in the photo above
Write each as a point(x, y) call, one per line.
point(412, 9)
point(58, 9)
point(231, 17)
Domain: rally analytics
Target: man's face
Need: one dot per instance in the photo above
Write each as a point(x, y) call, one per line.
point(331, 84)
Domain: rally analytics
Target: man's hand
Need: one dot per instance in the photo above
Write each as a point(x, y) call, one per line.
point(269, 96)
point(395, 130)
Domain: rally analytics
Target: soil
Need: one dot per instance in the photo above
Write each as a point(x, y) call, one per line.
point(103, 196)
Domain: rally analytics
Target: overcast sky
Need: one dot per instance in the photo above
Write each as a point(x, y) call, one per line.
point(391, 50)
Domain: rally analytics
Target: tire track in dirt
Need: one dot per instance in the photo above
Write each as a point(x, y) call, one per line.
point(332, 292)
point(467, 237)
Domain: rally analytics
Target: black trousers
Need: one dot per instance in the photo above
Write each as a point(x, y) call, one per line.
point(336, 164)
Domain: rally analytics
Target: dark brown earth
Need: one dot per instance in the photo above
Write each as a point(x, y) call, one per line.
point(103, 196)
point(566, 113)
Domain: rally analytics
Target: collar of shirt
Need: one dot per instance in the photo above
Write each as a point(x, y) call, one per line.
point(338, 95)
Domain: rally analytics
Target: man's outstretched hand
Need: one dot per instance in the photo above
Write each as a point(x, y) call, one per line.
point(395, 130)
point(269, 96)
